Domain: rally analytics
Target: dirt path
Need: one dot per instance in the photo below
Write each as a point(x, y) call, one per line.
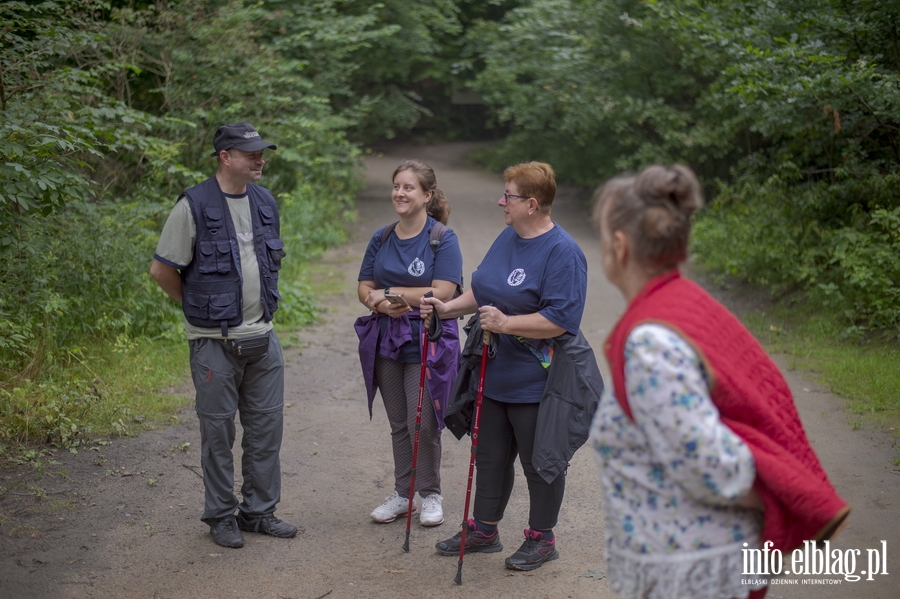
point(123, 521)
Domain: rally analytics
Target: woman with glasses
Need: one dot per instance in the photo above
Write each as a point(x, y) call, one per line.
point(529, 289)
point(403, 261)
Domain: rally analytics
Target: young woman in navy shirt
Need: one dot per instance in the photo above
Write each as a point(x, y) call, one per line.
point(402, 261)
point(530, 288)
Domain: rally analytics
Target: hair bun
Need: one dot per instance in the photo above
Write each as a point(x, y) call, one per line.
point(674, 187)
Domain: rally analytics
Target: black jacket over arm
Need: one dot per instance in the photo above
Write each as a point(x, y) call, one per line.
point(573, 390)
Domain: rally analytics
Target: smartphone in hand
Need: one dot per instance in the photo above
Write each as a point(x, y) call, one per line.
point(396, 299)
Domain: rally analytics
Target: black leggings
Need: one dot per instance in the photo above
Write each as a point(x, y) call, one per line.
point(506, 430)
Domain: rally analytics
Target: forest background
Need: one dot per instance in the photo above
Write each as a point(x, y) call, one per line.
point(788, 110)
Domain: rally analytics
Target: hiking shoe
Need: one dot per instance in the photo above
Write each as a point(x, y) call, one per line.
point(475, 542)
point(432, 514)
point(533, 552)
point(266, 525)
point(225, 532)
point(393, 506)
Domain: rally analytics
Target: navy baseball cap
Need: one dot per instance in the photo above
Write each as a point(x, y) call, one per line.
point(241, 136)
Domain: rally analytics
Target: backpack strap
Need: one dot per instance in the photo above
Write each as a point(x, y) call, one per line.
point(387, 232)
point(437, 232)
point(434, 240)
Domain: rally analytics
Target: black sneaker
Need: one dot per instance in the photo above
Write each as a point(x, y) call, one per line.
point(533, 552)
point(225, 533)
point(267, 525)
point(475, 542)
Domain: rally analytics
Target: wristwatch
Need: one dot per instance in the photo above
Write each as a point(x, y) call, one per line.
point(387, 290)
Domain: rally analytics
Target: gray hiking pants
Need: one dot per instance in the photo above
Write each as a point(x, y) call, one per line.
point(399, 386)
point(227, 384)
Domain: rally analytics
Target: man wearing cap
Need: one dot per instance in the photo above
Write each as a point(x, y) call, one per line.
point(219, 255)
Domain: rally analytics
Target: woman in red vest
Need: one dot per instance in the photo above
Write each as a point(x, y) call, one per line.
point(702, 454)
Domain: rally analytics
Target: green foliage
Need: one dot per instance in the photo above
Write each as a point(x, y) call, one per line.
point(59, 421)
point(57, 119)
point(105, 116)
point(592, 87)
point(372, 59)
point(392, 72)
point(78, 273)
point(310, 224)
point(786, 110)
point(811, 337)
point(95, 389)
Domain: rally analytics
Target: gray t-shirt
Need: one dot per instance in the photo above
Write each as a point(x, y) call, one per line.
point(176, 244)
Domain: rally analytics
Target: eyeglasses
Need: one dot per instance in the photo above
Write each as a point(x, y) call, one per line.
point(506, 196)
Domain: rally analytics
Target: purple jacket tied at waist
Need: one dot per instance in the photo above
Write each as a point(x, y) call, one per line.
point(442, 363)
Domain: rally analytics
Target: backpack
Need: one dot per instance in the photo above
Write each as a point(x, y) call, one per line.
point(434, 240)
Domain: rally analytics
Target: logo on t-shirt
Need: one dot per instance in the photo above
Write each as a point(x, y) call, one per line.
point(416, 268)
point(516, 277)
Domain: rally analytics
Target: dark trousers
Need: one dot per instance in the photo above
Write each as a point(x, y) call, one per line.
point(505, 431)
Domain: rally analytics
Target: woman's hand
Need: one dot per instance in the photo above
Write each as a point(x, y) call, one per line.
point(492, 319)
point(459, 306)
point(393, 310)
point(430, 305)
point(376, 302)
point(374, 299)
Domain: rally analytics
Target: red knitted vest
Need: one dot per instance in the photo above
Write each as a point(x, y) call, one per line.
point(753, 400)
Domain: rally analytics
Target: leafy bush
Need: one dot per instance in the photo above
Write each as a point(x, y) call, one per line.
point(771, 236)
point(786, 110)
point(105, 116)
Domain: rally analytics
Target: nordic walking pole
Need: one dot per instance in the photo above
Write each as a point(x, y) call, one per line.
point(486, 340)
point(412, 479)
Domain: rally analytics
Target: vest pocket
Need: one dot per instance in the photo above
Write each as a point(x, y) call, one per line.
point(196, 305)
point(276, 252)
point(207, 257)
point(216, 306)
point(223, 257)
point(215, 257)
point(213, 216)
point(223, 306)
point(267, 215)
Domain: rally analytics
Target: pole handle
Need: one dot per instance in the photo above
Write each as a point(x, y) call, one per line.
point(486, 338)
point(426, 321)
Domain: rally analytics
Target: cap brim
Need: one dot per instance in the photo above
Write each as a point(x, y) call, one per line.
point(250, 146)
point(256, 146)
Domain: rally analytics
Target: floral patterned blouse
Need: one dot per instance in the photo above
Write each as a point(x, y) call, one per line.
point(670, 478)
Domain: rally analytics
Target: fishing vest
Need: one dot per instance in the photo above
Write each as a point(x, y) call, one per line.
point(212, 283)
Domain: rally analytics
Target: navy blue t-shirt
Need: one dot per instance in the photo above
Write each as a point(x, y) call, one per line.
point(411, 263)
point(545, 274)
